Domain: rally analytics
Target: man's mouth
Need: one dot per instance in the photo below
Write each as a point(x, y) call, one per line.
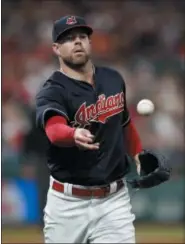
point(79, 51)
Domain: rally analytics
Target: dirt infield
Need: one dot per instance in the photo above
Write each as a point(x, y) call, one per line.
point(144, 234)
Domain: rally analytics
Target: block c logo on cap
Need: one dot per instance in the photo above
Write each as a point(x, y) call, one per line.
point(71, 20)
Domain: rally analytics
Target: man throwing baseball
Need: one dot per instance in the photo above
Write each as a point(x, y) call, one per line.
point(82, 111)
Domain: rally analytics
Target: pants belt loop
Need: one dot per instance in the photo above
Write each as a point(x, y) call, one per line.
point(113, 187)
point(51, 181)
point(68, 189)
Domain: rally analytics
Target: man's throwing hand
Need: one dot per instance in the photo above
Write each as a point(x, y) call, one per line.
point(84, 139)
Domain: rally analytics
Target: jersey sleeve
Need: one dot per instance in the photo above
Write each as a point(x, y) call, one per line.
point(50, 102)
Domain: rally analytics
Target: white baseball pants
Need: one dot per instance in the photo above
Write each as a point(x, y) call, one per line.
point(70, 219)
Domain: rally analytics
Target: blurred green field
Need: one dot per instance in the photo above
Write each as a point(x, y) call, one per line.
point(145, 233)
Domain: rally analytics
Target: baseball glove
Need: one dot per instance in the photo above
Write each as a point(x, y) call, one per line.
point(154, 170)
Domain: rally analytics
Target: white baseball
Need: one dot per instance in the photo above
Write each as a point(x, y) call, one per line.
point(145, 107)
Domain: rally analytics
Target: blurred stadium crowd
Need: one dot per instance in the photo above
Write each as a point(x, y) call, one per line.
point(143, 40)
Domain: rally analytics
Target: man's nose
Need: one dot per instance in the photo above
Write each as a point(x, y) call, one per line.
point(77, 40)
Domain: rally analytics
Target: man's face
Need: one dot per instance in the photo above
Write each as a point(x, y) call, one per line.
point(74, 48)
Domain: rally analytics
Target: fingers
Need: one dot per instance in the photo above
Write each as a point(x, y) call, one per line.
point(83, 135)
point(84, 139)
point(94, 146)
point(87, 134)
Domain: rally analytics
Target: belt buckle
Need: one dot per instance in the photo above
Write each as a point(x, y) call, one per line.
point(106, 191)
point(92, 193)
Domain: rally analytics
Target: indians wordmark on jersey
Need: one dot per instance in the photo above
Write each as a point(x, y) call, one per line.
point(100, 111)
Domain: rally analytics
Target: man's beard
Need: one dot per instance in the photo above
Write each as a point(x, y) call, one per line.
point(76, 65)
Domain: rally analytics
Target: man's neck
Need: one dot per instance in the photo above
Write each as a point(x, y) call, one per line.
point(85, 73)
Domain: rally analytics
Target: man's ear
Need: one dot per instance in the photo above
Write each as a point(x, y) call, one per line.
point(90, 40)
point(55, 47)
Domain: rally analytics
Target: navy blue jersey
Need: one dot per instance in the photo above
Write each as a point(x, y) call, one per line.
point(102, 110)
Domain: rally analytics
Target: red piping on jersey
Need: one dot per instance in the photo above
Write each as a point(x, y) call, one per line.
point(58, 132)
point(132, 139)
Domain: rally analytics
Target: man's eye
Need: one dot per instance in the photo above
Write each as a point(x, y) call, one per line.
point(70, 38)
point(82, 36)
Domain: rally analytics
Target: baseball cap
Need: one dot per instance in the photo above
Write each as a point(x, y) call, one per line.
point(67, 23)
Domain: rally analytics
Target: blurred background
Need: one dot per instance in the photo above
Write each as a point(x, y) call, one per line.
point(145, 42)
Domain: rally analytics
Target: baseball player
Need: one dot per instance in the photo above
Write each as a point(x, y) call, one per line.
point(82, 111)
